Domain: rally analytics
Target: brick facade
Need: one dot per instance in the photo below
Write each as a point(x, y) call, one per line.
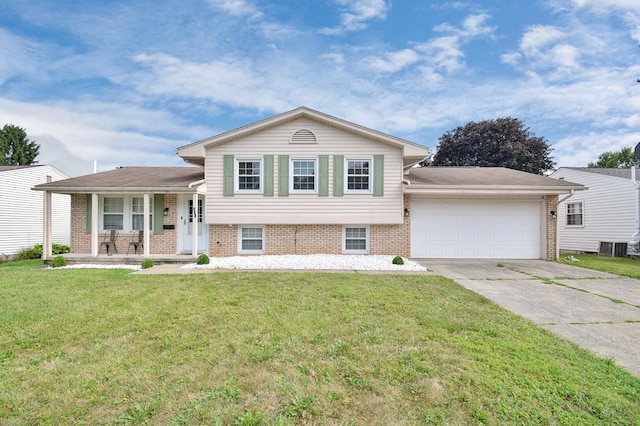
point(313, 239)
point(164, 243)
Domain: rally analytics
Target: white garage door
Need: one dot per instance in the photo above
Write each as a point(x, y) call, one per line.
point(480, 229)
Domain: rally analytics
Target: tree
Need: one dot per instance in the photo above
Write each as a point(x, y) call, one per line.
point(15, 148)
point(503, 142)
point(616, 159)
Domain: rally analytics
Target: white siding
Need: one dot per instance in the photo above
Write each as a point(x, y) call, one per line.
point(609, 211)
point(305, 208)
point(21, 209)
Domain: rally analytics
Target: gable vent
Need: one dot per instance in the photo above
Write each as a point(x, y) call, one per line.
point(303, 136)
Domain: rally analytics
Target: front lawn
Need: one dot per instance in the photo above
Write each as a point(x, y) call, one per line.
point(613, 265)
point(107, 346)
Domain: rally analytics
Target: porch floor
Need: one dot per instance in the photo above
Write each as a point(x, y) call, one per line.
point(123, 259)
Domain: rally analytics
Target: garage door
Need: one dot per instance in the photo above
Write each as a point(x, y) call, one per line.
point(480, 229)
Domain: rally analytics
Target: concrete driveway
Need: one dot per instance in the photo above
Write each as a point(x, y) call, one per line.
point(596, 310)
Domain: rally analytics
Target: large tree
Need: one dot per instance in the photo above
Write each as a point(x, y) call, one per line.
point(616, 159)
point(503, 142)
point(15, 148)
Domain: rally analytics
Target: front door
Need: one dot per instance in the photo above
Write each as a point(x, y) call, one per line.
point(187, 216)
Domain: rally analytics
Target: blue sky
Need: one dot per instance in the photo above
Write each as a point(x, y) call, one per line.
point(127, 82)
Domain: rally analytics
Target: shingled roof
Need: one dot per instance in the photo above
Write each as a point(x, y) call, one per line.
point(156, 179)
point(484, 177)
point(621, 173)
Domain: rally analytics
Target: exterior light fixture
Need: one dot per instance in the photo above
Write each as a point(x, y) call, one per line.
point(554, 214)
point(406, 212)
point(165, 213)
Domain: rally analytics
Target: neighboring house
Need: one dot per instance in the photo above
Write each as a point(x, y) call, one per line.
point(21, 209)
point(305, 182)
point(606, 212)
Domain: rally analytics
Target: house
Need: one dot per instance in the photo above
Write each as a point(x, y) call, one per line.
point(306, 182)
point(606, 212)
point(21, 210)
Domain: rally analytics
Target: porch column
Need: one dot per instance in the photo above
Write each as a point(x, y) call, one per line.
point(195, 216)
point(146, 224)
point(94, 224)
point(46, 226)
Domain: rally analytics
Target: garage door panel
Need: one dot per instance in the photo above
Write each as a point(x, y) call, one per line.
point(475, 229)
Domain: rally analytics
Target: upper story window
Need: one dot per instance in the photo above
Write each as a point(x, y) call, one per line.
point(304, 175)
point(249, 175)
point(358, 177)
point(575, 214)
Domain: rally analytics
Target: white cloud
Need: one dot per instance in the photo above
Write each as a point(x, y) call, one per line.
point(73, 135)
point(395, 61)
point(356, 15)
point(241, 8)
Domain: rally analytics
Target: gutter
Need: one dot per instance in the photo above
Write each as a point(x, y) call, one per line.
point(196, 183)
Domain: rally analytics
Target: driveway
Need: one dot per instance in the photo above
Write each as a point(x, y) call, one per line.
point(596, 310)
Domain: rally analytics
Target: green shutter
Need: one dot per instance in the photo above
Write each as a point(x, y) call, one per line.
point(268, 176)
point(323, 175)
point(227, 171)
point(378, 175)
point(158, 214)
point(283, 175)
point(88, 218)
point(338, 175)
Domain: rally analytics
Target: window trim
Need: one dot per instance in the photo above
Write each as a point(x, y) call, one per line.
point(292, 175)
point(127, 212)
point(367, 243)
point(240, 239)
point(346, 175)
point(581, 214)
point(236, 175)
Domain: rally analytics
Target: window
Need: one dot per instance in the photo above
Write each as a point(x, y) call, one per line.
point(355, 239)
point(303, 177)
point(251, 239)
point(125, 213)
point(191, 211)
point(574, 214)
point(359, 175)
point(249, 175)
point(113, 213)
point(137, 214)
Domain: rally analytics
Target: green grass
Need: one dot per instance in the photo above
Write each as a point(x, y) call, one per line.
point(614, 265)
point(105, 346)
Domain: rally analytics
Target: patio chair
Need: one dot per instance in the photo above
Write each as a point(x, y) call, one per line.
point(109, 242)
point(137, 242)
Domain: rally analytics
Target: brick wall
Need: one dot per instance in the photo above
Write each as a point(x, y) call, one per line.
point(164, 243)
point(552, 227)
point(312, 239)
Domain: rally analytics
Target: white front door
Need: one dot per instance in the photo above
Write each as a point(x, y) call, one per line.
point(186, 222)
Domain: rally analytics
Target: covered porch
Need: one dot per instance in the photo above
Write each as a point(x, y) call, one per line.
point(131, 213)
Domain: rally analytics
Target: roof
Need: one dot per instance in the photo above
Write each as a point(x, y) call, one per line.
point(7, 168)
point(621, 173)
point(130, 179)
point(195, 152)
point(475, 179)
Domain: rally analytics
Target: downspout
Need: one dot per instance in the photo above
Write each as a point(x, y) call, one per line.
point(634, 246)
point(571, 193)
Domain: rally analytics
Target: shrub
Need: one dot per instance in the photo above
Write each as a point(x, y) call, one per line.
point(147, 263)
point(58, 262)
point(398, 260)
point(35, 252)
point(203, 259)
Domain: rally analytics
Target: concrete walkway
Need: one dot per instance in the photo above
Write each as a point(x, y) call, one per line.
point(596, 310)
